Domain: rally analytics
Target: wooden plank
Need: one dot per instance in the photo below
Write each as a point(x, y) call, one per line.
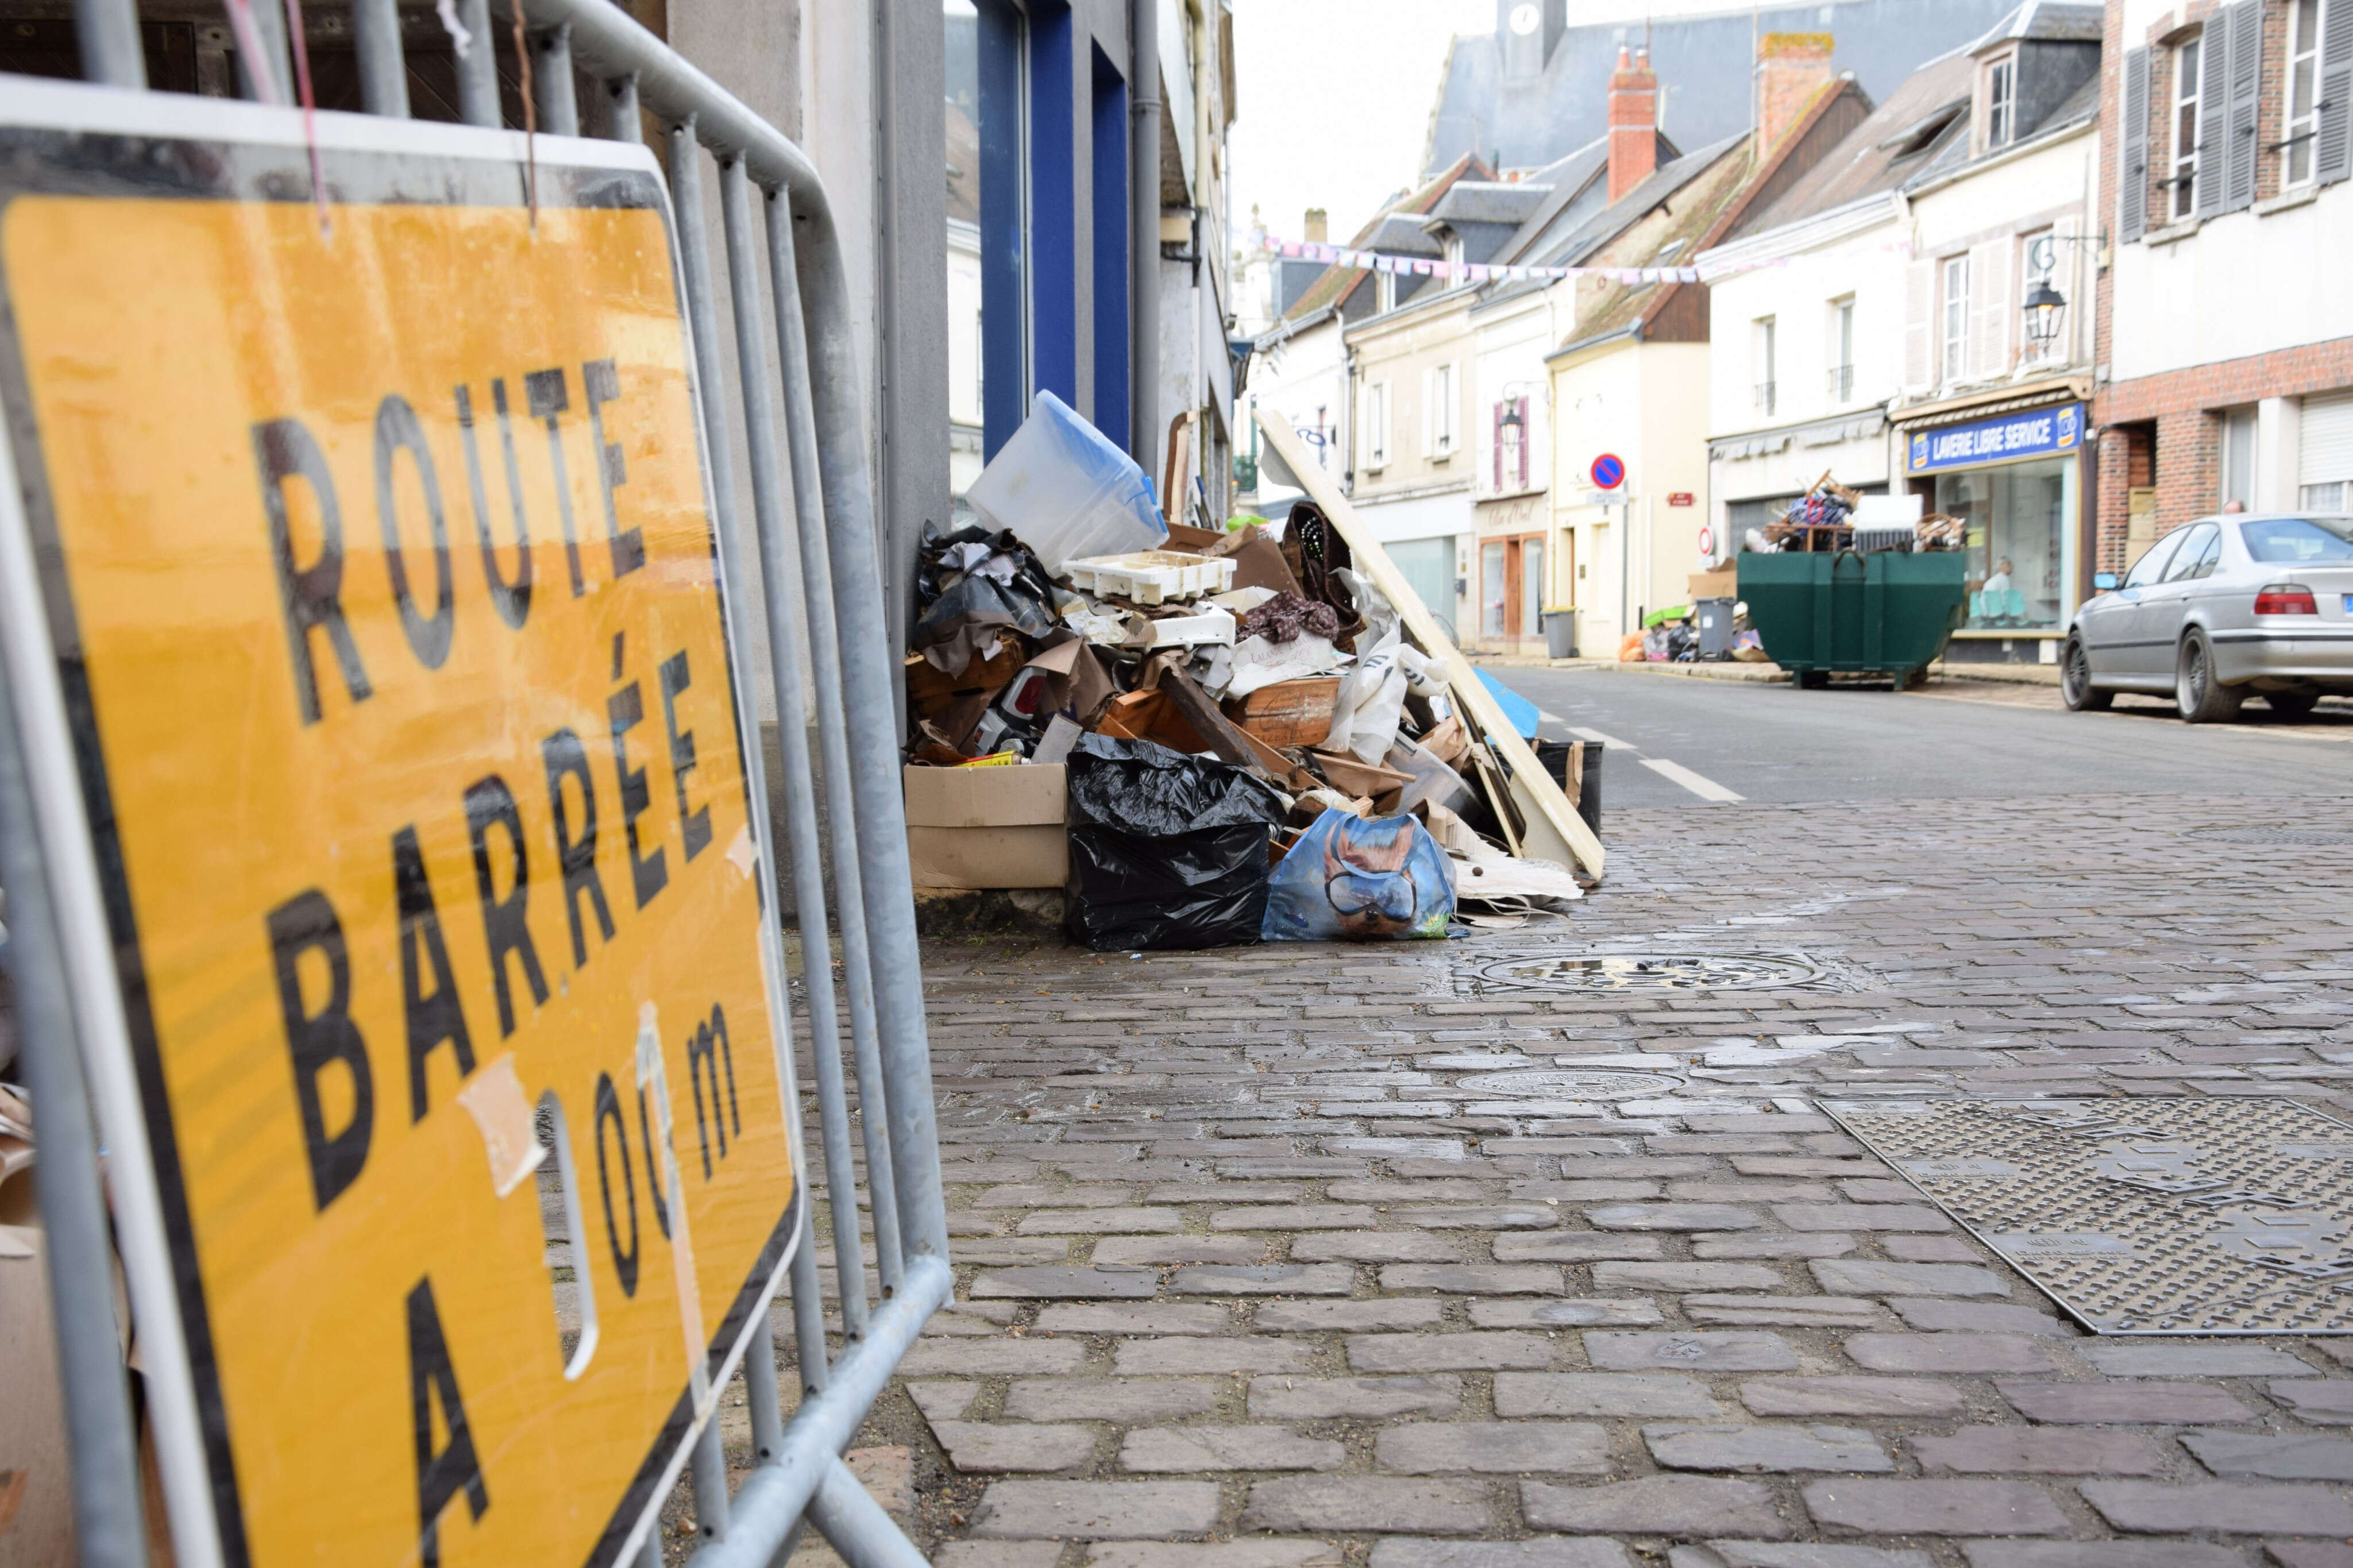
point(1555, 831)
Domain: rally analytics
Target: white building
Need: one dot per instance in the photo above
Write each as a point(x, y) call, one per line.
point(2227, 330)
point(1882, 336)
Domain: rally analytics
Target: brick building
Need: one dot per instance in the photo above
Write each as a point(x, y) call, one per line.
point(2225, 335)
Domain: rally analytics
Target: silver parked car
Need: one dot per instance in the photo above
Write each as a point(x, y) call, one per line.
point(2220, 609)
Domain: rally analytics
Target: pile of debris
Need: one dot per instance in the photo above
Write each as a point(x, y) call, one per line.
point(1831, 517)
point(1247, 741)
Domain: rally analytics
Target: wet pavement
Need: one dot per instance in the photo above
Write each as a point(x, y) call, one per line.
point(1260, 1264)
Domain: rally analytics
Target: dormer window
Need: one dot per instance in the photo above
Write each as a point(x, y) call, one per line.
point(1454, 253)
point(2001, 103)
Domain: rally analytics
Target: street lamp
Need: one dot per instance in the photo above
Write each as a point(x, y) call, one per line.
point(2045, 308)
point(1511, 433)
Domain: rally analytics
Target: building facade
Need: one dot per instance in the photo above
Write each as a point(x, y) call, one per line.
point(2225, 338)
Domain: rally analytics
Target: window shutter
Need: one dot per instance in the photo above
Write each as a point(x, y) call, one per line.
point(2325, 444)
point(2244, 23)
point(2213, 113)
point(1499, 446)
point(1527, 439)
point(2132, 216)
point(2333, 148)
point(1990, 332)
point(1920, 325)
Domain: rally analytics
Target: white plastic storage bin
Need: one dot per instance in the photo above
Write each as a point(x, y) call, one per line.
point(1152, 576)
point(1065, 490)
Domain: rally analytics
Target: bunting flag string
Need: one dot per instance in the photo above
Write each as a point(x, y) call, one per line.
point(1487, 272)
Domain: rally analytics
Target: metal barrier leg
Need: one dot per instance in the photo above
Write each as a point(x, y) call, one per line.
point(769, 1503)
point(708, 1467)
point(75, 1233)
point(865, 1535)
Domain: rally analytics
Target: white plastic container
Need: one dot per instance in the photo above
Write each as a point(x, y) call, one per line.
point(1065, 490)
point(1151, 576)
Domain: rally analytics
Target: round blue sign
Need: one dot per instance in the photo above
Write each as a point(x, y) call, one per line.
point(1609, 471)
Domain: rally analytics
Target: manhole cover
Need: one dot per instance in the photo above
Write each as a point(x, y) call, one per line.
point(2306, 835)
point(1547, 1083)
point(1651, 971)
point(2145, 1217)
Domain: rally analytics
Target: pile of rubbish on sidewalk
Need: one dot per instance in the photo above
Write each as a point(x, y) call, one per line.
point(1244, 738)
point(1831, 517)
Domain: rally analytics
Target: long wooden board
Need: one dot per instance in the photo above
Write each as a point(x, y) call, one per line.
point(1555, 831)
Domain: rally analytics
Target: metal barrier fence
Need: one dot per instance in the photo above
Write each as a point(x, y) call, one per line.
point(807, 456)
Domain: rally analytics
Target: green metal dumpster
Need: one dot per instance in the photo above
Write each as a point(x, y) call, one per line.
point(1888, 611)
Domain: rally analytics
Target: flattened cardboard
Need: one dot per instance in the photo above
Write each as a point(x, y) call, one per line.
point(989, 827)
point(1029, 795)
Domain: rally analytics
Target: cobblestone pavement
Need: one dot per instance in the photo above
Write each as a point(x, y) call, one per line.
point(1249, 1277)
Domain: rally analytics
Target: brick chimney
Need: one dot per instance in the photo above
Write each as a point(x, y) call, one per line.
point(1318, 227)
point(1792, 68)
point(1634, 123)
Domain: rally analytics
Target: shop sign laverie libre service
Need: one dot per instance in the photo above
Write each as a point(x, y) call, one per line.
point(372, 549)
point(2037, 433)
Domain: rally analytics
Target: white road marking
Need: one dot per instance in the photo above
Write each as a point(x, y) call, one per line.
point(1705, 788)
point(1550, 718)
point(1598, 738)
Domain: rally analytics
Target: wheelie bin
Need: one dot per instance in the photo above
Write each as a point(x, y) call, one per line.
point(1888, 612)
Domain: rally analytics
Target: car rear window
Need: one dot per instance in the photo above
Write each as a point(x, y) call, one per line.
point(2295, 540)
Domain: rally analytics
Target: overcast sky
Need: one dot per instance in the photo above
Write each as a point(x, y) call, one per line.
point(1334, 96)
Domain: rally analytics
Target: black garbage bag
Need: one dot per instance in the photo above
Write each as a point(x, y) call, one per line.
point(1167, 850)
point(970, 581)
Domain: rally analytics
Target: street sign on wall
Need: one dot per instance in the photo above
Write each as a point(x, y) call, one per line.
point(379, 577)
point(1609, 471)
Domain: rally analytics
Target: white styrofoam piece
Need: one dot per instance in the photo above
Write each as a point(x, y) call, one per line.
point(1211, 625)
point(1152, 576)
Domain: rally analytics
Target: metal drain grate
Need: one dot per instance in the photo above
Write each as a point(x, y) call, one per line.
point(2317, 837)
point(1571, 1083)
point(1652, 972)
point(2145, 1217)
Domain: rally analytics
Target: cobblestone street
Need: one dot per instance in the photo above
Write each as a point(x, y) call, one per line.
point(1249, 1277)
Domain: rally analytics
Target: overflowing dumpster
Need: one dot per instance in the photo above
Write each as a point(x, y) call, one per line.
point(1885, 611)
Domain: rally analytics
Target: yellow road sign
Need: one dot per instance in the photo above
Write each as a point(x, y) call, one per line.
point(377, 564)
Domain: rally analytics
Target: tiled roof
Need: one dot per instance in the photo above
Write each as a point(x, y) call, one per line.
point(1338, 283)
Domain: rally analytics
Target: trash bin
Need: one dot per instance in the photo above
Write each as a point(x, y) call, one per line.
point(1561, 633)
point(1583, 786)
point(1714, 620)
point(1819, 611)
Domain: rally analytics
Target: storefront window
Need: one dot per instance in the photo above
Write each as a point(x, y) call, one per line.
point(2015, 517)
point(1492, 589)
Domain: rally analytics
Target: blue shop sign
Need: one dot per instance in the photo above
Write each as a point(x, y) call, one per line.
point(2039, 433)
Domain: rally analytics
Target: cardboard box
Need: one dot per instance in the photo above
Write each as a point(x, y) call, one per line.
point(989, 827)
point(1723, 582)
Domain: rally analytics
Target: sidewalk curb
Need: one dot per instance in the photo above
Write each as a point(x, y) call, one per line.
point(1760, 674)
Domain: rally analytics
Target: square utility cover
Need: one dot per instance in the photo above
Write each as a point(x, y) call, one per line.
point(2145, 1217)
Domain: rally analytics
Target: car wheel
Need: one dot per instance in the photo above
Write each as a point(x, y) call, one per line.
point(2075, 681)
point(2201, 699)
point(2292, 704)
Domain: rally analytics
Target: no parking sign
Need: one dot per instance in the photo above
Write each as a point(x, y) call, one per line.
point(1609, 471)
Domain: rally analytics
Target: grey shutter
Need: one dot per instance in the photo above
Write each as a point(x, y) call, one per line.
point(2214, 111)
point(2241, 120)
point(2333, 148)
point(2132, 216)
